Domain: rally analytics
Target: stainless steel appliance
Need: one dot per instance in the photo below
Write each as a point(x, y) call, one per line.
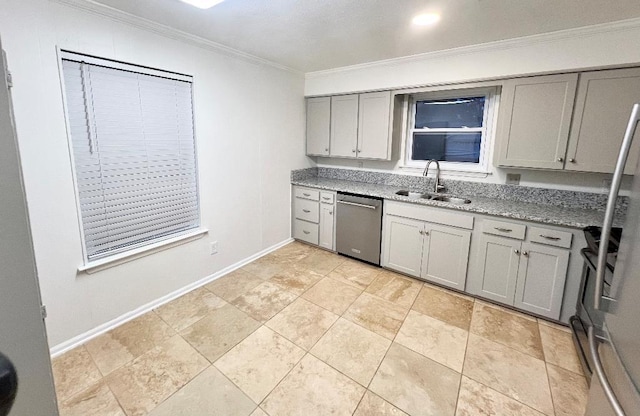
point(615, 346)
point(359, 227)
point(586, 315)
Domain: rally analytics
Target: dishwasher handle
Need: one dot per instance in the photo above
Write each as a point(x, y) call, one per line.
point(355, 204)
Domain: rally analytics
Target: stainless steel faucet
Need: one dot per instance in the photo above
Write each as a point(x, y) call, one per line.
point(437, 187)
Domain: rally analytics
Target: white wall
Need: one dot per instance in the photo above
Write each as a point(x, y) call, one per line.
point(249, 121)
point(591, 47)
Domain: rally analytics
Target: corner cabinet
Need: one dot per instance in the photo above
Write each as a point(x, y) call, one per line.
point(534, 120)
point(313, 219)
point(356, 126)
point(428, 243)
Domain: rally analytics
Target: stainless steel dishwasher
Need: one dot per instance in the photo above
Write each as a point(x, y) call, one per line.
point(359, 227)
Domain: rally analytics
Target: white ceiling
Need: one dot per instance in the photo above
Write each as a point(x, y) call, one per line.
point(312, 35)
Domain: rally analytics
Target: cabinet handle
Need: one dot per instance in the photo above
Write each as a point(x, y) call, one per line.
point(306, 194)
point(572, 160)
point(525, 253)
point(421, 232)
point(353, 151)
point(330, 212)
point(326, 149)
point(548, 237)
point(516, 251)
point(306, 210)
point(306, 232)
point(560, 159)
point(426, 233)
point(326, 198)
point(504, 230)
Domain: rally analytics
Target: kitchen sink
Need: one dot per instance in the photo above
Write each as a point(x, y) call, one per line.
point(432, 197)
point(451, 200)
point(414, 195)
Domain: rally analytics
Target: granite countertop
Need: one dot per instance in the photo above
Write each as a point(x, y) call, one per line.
point(546, 214)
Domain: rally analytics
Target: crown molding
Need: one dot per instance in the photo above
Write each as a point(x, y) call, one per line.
point(585, 31)
point(120, 16)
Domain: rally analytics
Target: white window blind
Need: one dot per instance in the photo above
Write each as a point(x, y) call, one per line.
point(134, 153)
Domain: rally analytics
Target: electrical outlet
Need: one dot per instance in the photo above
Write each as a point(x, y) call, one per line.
point(360, 164)
point(513, 179)
point(606, 185)
point(213, 249)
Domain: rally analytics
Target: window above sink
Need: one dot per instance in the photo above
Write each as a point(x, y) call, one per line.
point(454, 127)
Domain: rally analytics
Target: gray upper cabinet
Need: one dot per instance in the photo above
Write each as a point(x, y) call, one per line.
point(373, 125)
point(541, 276)
point(603, 106)
point(445, 255)
point(497, 270)
point(318, 126)
point(350, 126)
point(344, 126)
point(534, 120)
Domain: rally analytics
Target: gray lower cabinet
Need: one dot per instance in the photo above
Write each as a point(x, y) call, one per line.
point(541, 276)
point(526, 274)
point(313, 220)
point(497, 271)
point(326, 236)
point(431, 252)
point(403, 241)
point(445, 255)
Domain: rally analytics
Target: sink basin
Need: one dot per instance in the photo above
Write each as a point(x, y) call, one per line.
point(451, 200)
point(414, 195)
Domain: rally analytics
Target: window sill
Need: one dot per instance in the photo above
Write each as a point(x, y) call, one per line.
point(447, 172)
point(117, 259)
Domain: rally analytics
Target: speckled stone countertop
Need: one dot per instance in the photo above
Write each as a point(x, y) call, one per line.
point(547, 214)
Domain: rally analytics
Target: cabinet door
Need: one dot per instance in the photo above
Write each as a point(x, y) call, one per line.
point(318, 126)
point(446, 255)
point(373, 125)
point(344, 125)
point(327, 226)
point(497, 271)
point(402, 245)
point(533, 125)
point(603, 107)
point(541, 277)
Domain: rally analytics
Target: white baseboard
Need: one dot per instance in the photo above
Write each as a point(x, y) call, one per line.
point(107, 326)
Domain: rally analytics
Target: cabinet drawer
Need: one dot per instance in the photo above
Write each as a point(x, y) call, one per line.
point(306, 193)
point(550, 237)
point(305, 231)
point(505, 229)
point(327, 197)
point(307, 210)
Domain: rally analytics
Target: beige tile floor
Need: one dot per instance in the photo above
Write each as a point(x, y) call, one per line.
point(305, 332)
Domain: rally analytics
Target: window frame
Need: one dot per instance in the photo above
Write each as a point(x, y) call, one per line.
point(140, 249)
point(490, 109)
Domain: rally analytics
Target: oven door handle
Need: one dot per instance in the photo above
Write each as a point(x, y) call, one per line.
point(355, 204)
point(611, 204)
